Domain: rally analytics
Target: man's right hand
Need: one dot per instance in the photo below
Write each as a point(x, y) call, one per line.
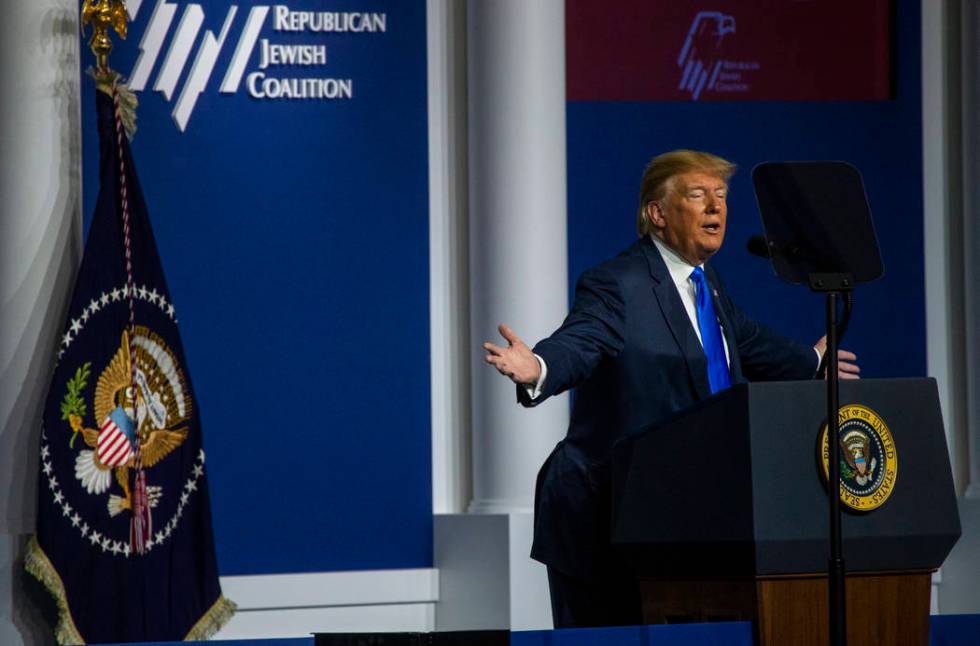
point(516, 360)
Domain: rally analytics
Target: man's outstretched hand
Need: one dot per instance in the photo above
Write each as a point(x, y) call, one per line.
point(847, 367)
point(516, 360)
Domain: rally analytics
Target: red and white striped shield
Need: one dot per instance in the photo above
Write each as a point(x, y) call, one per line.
point(114, 447)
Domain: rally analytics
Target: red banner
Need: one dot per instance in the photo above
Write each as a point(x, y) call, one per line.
point(766, 50)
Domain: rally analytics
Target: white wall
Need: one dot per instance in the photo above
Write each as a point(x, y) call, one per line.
point(40, 247)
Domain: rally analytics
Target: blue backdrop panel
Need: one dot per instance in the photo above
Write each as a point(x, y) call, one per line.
point(609, 143)
point(294, 235)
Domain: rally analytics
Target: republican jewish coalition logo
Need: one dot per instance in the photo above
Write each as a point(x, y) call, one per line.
point(868, 458)
point(261, 81)
point(701, 60)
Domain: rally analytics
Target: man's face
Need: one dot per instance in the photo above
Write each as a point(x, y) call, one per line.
point(691, 218)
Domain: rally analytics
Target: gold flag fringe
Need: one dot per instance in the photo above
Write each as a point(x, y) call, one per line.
point(213, 620)
point(106, 81)
point(37, 564)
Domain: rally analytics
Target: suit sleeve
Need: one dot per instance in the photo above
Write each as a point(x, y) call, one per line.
point(767, 356)
point(594, 329)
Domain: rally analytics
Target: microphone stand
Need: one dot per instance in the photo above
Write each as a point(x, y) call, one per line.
point(832, 285)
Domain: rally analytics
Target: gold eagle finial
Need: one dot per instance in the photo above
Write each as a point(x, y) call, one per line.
point(103, 14)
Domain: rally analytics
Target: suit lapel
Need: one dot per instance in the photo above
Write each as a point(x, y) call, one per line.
point(734, 361)
point(678, 320)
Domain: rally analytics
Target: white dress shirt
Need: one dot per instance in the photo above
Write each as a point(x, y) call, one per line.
point(680, 272)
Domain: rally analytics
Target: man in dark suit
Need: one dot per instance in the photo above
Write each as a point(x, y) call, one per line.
point(651, 332)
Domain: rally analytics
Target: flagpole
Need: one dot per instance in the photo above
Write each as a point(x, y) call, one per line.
point(103, 15)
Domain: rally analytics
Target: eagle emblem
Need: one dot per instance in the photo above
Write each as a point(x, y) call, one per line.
point(149, 408)
point(699, 58)
point(868, 458)
point(855, 448)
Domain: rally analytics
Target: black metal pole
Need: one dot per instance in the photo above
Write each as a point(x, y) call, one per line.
point(835, 570)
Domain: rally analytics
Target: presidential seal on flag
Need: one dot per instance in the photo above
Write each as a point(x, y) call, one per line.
point(158, 405)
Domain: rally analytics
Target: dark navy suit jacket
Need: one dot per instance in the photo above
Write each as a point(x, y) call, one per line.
point(631, 353)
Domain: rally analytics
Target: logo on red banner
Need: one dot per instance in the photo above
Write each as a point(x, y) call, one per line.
point(769, 50)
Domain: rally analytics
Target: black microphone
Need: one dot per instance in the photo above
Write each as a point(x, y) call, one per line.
point(758, 246)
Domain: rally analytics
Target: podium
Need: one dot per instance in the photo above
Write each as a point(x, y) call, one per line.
point(722, 513)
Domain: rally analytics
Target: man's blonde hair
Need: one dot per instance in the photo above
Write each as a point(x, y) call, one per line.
point(657, 176)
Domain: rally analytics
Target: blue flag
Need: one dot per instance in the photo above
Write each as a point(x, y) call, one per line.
point(124, 540)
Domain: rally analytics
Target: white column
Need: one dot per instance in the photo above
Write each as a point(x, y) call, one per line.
point(971, 232)
point(40, 236)
point(944, 186)
point(449, 327)
point(518, 247)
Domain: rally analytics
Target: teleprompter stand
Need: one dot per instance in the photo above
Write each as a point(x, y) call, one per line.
point(819, 231)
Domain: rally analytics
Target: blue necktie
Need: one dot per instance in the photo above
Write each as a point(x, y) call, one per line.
point(714, 349)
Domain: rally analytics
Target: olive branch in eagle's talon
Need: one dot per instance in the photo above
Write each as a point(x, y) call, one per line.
point(73, 406)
